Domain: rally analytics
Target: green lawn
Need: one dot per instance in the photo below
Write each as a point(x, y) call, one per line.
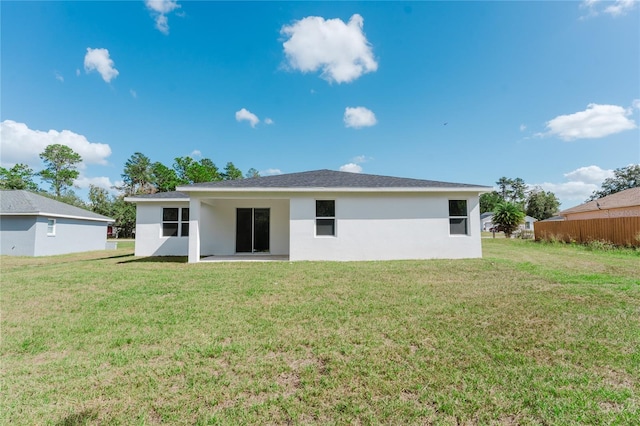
point(530, 334)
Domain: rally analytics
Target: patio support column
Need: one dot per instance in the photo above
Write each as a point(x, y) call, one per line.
point(194, 230)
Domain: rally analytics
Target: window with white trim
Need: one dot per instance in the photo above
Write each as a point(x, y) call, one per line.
point(458, 217)
point(51, 227)
point(326, 218)
point(175, 222)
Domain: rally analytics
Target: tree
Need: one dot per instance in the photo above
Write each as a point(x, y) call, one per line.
point(251, 173)
point(508, 216)
point(60, 167)
point(231, 172)
point(124, 214)
point(541, 205)
point(512, 190)
point(488, 201)
point(100, 201)
point(137, 176)
point(623, 178)
point(191, 171)
point(20, 176)
point(164, 178)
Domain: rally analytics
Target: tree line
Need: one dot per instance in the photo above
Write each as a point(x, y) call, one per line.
point(512, 201)
point(140, 176)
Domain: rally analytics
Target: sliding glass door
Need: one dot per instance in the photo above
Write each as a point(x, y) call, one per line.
point(252, 230)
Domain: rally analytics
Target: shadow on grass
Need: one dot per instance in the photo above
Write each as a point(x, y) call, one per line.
point(157, 259)
point(81, 418)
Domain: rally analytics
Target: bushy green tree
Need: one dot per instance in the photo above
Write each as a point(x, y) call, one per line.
point(488, 201)
point(124, 214)
point(512, 190)
point(100, 201)
point(164, 178)
point(137, 175)
point(508, 216)
point(231, 172)
point(61, 168)
point(20, 176)
point(192, 171)
point(541, 204)
point(623, 178)
point(252, 173)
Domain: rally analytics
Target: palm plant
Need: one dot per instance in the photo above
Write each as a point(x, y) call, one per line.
point(508, 216)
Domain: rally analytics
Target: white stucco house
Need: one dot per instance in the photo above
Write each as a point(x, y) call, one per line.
point(34, 225)
point(316, 215)
point(486, 222)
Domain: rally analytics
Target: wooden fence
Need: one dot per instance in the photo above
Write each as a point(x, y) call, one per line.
point(622, 231)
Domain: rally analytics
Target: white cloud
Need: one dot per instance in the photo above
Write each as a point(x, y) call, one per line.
point(597, 121)
point(580, 184)
point(19, 144)
point(195, 153)
point(523, 127)
point(160, 9)
point(614, 8)
point(246, 115)
point(100, 181)
point(360, 159)
point(59, 77)
point(133, 93)
point(340, 50)
point(99, 60)
point(77, 72)
point(268, 121)
point(270, 172)
point(351, 167)
point(359, 117)
point(589, 174)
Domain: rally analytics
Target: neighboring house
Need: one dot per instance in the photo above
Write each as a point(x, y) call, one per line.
point(316, 215)
point(486, 222)
point(621, 204)
point(34, 225)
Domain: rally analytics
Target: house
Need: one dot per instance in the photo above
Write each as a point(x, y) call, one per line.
point(315, 215)
point(621, 204)
point(34, 225)
point(486, 222)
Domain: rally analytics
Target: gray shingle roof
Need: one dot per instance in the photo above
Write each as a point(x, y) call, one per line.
point(17, 202)
point(328, 179)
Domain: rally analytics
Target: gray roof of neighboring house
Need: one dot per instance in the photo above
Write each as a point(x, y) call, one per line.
point(329, 179)
point(627, 198)
point(18, 202)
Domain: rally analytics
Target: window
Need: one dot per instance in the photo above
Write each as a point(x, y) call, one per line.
point(458, 217)
point(51, 227)
point(175, 222)
point(325, 218)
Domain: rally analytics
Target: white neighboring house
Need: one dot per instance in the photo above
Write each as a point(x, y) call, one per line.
point(34, 225)
point(316, 215)
point(486, 222)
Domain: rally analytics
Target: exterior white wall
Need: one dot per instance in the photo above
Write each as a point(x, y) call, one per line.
point(149, 239)
point(384, 227)
point(27, 236)
point(218, 225)
point(17, 235)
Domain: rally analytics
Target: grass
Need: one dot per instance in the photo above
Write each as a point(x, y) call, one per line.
point(530, 334)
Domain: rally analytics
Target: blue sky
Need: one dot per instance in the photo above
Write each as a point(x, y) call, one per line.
point(452, 91)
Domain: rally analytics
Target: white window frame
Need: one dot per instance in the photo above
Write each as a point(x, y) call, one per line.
point(335, 224)
point(51, 227)
point(457, 217)
point(180, 222)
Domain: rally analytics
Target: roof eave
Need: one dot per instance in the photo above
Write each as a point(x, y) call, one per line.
point(57, 215)
point(477, 189)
